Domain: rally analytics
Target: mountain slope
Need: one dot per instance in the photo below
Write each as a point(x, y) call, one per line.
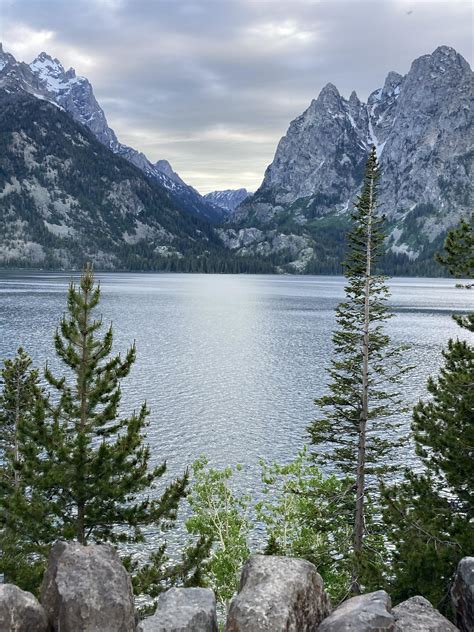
point(422, 127)
point(46, 78)
point(66, 198)
point(229, 199)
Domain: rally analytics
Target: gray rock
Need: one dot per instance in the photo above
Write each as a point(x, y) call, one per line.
point(183, 610)
point(462, 594)
point(418, 615)
point(364, 613)
point(278, 594)
point(20, 611)
point(422, 127)
point(87, 589)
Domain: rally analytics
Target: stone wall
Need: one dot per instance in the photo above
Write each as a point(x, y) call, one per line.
point(87, 589)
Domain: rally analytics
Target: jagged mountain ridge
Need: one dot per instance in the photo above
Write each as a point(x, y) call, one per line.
point(422, 127)
point(229, 199)
point(65, 198)
point(46, 78)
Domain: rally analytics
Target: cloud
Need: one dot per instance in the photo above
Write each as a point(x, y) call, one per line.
point(212, 85)
point(282, 33)
point(24, 42)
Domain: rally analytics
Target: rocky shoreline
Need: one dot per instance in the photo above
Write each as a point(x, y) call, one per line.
point(87, 589)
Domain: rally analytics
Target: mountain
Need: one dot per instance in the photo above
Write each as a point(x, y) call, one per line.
point(229, 199)
point(69, 190)
point(46, 78)
point(422, 127)
point(66, 198)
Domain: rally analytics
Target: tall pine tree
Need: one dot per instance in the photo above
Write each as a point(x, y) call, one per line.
point(85, 467)
point(430, 514)
point(356, 430)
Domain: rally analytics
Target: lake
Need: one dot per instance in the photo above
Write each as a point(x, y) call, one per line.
point(229, 365)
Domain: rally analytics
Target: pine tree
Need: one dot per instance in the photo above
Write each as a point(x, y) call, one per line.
point(20, 399)
point(459, 249)
point(430, 514)
point(85, 466)
point(20, 391)
point(357, 430)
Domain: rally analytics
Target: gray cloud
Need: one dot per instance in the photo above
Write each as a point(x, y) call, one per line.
point(212, 85)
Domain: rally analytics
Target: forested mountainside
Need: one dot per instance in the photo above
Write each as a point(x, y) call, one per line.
point(46, 78)
point(422, 128)
point(67, 196)
point(66, 199)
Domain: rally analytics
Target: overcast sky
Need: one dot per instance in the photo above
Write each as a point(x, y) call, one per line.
point(211, 85)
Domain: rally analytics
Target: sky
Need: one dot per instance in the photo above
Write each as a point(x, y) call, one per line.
point(212, 85)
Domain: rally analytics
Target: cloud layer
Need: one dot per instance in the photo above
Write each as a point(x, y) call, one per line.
point(211, 85)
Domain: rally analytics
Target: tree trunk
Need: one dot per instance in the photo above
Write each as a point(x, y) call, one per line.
point(16, 449)
point(359, 521)
point(83, 394)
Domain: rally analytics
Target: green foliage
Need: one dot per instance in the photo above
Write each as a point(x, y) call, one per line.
point(84, 468)
point(459, 250)
point(21, 400)
point(308, 515)
point(222, 516)
point(304, 513)
point(160, 572)
point(20, 393)
point(430, 514)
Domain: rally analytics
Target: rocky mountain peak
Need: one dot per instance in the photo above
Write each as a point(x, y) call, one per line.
point(422, 127)
point(51, 73)
point(442, 62)
point(165, 167)
point(390, 89)
point(44, 59)
point(392, 84)
point(354, 99)
point(329, 95)
point(448, 55)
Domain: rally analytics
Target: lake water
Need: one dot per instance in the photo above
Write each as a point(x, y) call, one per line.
point(229, 365)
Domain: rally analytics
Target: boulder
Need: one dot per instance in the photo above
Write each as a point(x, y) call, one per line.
point(87, 588)
point(183, 610)
point(462, 594)
point(20, 611)
point(364, 613)
point(418, 615)
point(278, 594)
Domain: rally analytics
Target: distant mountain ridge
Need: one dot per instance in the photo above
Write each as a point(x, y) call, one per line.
point(229, 199)
point(422, 127)
point(46, 78)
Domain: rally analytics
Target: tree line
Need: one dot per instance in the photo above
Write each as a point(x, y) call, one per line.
point(73, 467)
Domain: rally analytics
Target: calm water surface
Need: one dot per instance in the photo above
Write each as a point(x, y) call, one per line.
point(229, 365)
